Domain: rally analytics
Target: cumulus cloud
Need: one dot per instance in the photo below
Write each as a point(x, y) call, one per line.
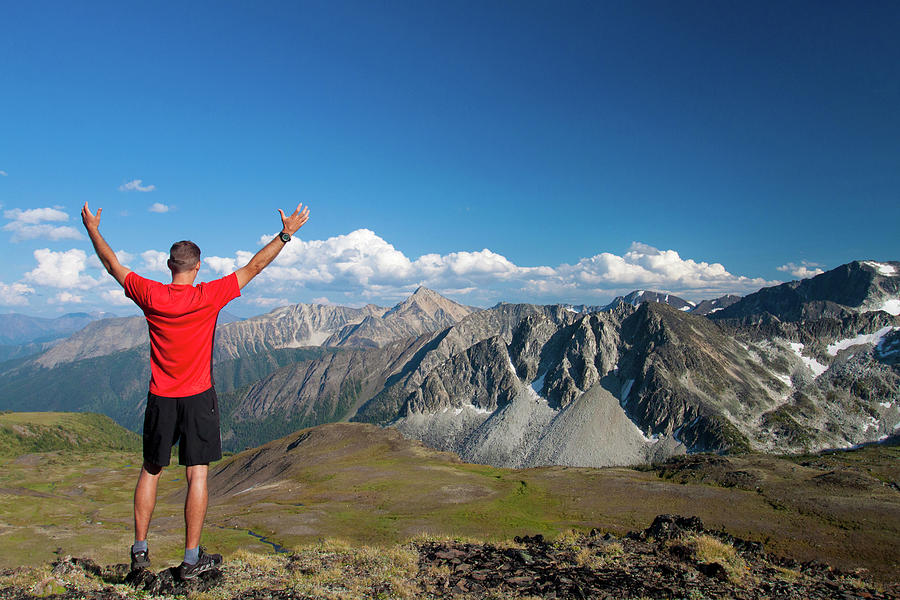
point(38, 223)
point(61, 269)
point(220, 265)
point(266, 302)
point(14, 294)
point(135, 185)
point(68, 298)
point(158, 207)
point(154, 260)
point(362, 265)
point(648, 267)
point(802, 271)
point(33, 216)
point(117, 297)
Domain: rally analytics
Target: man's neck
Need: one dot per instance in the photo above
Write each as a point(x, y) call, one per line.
point(183, 278)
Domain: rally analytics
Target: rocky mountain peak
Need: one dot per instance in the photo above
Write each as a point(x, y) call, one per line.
point(423, 311)
point(638, 297)
point(431, 303)
point(707, 307)
point(851, 288)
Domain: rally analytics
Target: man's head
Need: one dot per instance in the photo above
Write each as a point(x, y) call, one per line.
point(183, 256)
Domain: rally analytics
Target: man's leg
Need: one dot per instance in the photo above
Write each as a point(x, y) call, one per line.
point(195, 504)
point(145, 499)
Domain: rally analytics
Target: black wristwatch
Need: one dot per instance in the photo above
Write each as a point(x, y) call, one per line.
point(285, 237)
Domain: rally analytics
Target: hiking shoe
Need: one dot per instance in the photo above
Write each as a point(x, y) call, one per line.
point(206, 562)
point(140, 560)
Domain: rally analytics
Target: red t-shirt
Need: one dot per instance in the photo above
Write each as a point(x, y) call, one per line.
point(182, 323)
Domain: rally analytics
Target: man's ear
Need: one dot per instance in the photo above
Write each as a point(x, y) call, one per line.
point(197, 266)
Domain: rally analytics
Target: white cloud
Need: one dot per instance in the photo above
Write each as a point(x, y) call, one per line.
point(266, 302)
point(135, 185)
point(14, 294)
point(158, 207)
point(367, 267)
point(61, 269)
point(154, 260)
point(647, 267)
point(220, 265)
point(33, 223)
point(117, 297)
point(3, 173)
point(68, 298)
point(33, 216)
point(803, 270)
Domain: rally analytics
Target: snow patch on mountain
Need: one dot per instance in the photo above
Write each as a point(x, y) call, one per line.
point(863, 338)
point(812, 364)
point(882, 268)
point(891, 306)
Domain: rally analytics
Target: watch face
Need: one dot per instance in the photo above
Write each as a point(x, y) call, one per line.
point(285, 237)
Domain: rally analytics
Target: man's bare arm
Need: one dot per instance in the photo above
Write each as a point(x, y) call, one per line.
point(289, 224)
point(104, 252)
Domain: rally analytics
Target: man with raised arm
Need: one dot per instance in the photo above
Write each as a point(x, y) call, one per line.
point(181, 403)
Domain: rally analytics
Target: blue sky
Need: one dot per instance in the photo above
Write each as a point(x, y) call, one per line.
point(515, 151)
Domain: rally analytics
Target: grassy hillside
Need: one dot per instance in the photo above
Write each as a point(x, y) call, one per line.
point(370, 486)
point(25, 433)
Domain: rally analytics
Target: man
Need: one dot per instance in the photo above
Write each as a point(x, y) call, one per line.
point(181, 403)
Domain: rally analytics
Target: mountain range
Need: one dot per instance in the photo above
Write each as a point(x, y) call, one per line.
point(805, 365)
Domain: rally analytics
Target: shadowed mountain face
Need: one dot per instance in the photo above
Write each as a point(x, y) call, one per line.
point(855, 287)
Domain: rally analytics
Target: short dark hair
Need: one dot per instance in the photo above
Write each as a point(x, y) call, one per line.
point(183, 256)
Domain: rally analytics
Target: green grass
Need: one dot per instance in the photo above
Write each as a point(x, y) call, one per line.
point(22, 433)
point(368, 486)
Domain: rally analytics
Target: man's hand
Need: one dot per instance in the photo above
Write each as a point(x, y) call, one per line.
point(90, 220)
point(292, 223)
point(289, 224)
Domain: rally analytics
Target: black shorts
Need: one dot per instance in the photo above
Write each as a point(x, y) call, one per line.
point(192, 421)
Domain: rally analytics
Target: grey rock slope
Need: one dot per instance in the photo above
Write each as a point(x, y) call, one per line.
point(679, 381)
point(98, 338)
point(288, 327)
point(376, 376)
